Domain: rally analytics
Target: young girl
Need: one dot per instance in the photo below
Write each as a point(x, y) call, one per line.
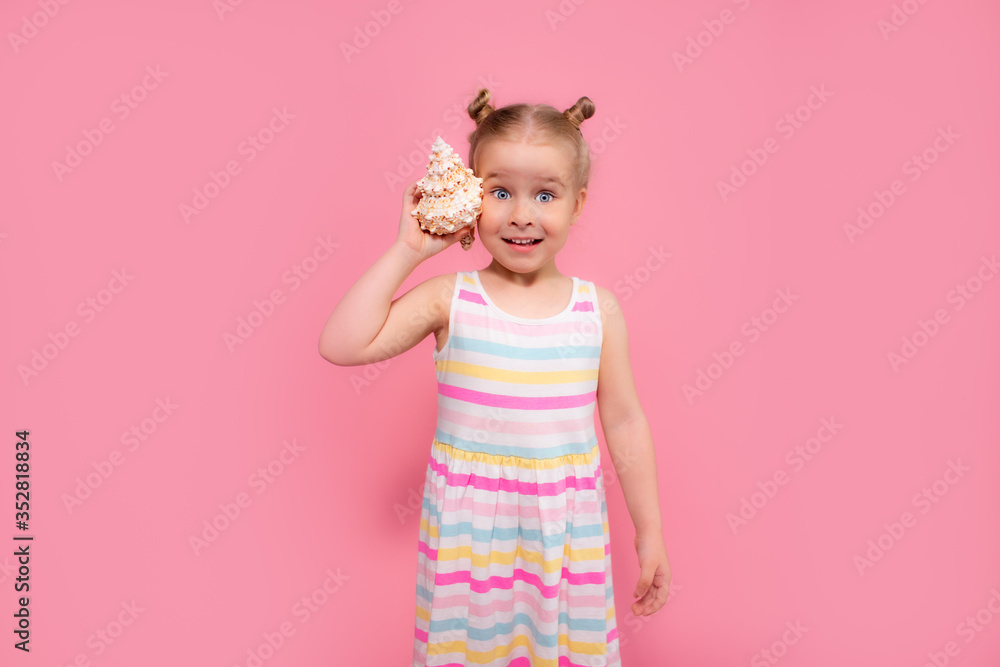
point(514, 560)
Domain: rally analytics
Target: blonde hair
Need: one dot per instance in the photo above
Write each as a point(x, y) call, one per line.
point(536, 123)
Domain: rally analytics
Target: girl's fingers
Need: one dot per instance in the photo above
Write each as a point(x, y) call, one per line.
point(653, 600)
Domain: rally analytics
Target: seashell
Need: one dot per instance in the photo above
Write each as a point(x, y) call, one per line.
point(452, 197)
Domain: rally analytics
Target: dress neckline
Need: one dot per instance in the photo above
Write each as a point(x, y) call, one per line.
point(527, 320)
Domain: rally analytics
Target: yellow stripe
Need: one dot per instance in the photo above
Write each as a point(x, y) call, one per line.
point(516, 377)
point(584, 288)
point(422, 613)
point(508, 459)
point(483, 657)
point(509, 557)
point(467, 279)
point(432, 531)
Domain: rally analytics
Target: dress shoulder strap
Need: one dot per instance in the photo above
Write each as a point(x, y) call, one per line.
point(463, 282)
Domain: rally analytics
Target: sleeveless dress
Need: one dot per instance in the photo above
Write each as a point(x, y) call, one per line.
point(514, 560)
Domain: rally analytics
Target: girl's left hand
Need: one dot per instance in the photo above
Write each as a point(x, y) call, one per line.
point(654, 575)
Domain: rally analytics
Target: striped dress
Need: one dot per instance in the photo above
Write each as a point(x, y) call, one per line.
point(514, 560)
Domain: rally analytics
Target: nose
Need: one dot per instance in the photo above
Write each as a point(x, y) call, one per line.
point(523, 213)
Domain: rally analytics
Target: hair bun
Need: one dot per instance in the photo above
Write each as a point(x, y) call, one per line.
point(579, 112)
point(479, 109)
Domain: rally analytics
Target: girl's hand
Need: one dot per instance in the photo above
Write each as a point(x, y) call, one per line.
point(425, 244)
point(654, 575)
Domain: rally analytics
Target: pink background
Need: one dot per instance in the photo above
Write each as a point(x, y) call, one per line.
point(346, 502)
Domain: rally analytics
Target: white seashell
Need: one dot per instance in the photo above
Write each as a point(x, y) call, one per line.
point(452, 197)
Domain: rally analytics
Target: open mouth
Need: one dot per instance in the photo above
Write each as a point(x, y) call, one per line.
point(524, 242)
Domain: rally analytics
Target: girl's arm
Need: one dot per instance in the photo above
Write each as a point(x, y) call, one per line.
point(626, 430)
point(367, 325)
point(630, 444)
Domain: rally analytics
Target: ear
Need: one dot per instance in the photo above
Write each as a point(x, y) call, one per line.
point(581, 197)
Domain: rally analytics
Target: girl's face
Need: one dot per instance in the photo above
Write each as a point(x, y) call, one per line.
point(528, 194)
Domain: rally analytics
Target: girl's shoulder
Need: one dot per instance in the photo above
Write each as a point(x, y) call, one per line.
point(432, 297)
point(607, 303)
point(443, 288)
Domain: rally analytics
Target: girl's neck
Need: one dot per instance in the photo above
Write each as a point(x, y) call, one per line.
point(545, 274)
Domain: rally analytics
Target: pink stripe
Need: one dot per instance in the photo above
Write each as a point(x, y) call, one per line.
point(507, 583)
point(495, 425)
point(484, 321)
point(422, 548)
point(545, 514)
point(466, 295)
point(521, 599)
point(517, 402)
point(564, 661)
point(584, 306)
point(464, 480)
point(596, 465)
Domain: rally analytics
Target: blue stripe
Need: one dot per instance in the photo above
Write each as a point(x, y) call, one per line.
point(488, 535)
point(487, 634)
point(514, 352)
point(523, 452)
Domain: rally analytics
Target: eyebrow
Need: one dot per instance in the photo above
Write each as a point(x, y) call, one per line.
point(544, 179)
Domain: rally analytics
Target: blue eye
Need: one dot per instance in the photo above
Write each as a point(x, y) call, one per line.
point(541, 194)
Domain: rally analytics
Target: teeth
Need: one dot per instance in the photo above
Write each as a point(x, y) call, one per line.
point(524, 242)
